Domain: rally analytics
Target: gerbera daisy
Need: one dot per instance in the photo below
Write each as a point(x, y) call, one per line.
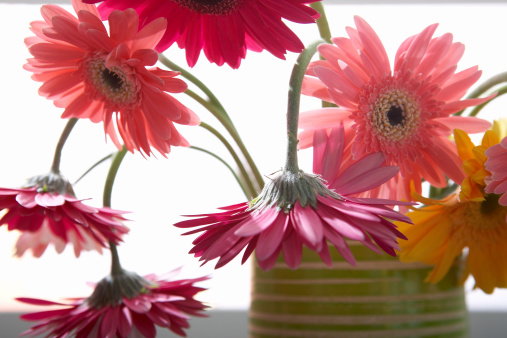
point(402, 112)
point(470, 219)
point(47, 212)
point(496, 164)
point(223, 29)
point(131, 310)
point(299, 209)
point(97, 76)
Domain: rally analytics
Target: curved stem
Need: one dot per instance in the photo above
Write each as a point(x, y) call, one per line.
point(251, 192)
point(322, 24)
point(477, 109)
point(296, 80)
point(216, 108)
point(187, 75)
point(484, 87)
point(55, 166)
point(93, 167)
point(111, 175)
point(227, 165)
point(116, 268)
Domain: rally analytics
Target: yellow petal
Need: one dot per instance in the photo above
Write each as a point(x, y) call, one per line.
point(490, 139)
point(464, 144)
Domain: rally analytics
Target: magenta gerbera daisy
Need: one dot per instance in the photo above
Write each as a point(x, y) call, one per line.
point(497, 165)
point(223, 29)
point(104, 77)
point(46, 212)
point(302, 209)
point(128, 312)
point(402, 112)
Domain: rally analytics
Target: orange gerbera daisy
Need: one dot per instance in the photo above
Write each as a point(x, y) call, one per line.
point(469, 219)
point(96, 76)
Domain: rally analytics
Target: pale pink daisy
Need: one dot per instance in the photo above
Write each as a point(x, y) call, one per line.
point(47, 212)
point(223, 29)
point(104, 77)
point(299, 209)
point(497, 165)
point(402, 112)
point(160, 302)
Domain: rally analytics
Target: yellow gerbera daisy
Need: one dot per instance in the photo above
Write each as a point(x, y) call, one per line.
point(468, 218)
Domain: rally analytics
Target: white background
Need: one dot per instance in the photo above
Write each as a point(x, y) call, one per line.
point(158, 190)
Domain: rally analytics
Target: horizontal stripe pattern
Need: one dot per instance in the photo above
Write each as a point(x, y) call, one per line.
point(380, 297)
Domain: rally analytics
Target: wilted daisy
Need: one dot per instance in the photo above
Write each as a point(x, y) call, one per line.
point(46, 211)
point(124, 305)
point(302, 209)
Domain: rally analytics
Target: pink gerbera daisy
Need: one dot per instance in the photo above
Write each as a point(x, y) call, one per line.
point(497, 165)
point(299, 209)
point(402, 112)
point(223, 29)
point(96, 76)
point(128, 313)
point(47, 212)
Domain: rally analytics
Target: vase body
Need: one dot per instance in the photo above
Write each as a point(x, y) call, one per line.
point(380, 297)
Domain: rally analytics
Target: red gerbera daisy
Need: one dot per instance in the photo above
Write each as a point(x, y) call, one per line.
point(47, 212)
point(223, 29)
point(297, 210)
point(95, 75)
point(166, 303)
point(403, 113)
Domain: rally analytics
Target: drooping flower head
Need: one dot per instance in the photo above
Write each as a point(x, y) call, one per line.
point(104, 77)
point(470, 218)
point(121, 306)
point(301, 209)
point(46, 211)
point(223, 29)
point(403, 112)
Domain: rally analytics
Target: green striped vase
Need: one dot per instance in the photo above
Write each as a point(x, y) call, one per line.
point(380, 297)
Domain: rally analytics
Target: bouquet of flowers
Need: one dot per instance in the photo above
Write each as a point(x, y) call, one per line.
point(394, 168)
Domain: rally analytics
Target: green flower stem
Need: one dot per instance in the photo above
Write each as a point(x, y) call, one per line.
point(116, 268)
point(93, 167)
point(228, 166)
point(296, 81)
point(322, 23)
point(55, 166)
point(486, 86)
point(251, 192)
point(477, 109)
point(216, 108)
point(187, 75)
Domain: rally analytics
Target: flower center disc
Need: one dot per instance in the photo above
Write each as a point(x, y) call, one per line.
point(110, 84)
point(394, 115)
point(211, 7)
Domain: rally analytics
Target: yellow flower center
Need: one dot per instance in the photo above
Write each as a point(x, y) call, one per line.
point(395, 115)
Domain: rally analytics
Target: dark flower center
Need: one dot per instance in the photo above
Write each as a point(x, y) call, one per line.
point(112, 79)
point(395, 116)
point(490, 204)
point(110, 84)
point(210, 7)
